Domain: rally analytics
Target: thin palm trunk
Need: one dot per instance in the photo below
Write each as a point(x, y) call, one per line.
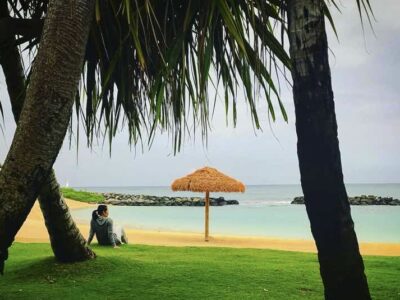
point(341, 265)
point(45, 114)
point(67, 242)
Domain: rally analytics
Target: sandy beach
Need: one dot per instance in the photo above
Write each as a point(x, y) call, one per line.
point(34, 230)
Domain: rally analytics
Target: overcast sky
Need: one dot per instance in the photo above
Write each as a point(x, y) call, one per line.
point(365, 72)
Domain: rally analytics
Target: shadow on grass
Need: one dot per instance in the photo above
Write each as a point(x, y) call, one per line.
point(48, 269)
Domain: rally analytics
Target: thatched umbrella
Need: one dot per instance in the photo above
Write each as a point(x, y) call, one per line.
point(207, 180)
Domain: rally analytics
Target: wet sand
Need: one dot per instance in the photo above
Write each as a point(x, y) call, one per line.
point(34, 230)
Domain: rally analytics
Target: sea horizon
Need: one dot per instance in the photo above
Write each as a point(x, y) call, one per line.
point(266, 184)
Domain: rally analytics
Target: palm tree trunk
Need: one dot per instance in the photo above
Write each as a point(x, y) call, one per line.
point(45, 115)
point(67, 242)
point(341, 265)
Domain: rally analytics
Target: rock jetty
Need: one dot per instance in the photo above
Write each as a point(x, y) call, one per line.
point(361, 200)
point(146, 200)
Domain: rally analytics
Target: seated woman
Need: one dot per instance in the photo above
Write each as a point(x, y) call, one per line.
point(102, 226)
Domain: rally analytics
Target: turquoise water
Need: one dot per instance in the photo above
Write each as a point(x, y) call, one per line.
point(263, 211)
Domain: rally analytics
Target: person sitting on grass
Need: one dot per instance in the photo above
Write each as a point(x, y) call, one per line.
point(103, 227)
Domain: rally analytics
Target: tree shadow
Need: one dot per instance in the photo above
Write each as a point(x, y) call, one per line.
point(49, 269)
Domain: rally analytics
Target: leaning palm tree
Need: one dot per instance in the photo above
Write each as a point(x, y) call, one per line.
point(39, 135)
point(66, 240)
point(328, 208)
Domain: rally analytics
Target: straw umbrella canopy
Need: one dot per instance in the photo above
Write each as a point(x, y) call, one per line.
point(207, 180)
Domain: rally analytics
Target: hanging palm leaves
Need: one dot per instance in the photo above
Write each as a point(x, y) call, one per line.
point(152, 64)
point(149, 64)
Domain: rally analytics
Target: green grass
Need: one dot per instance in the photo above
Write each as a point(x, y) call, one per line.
point(82, 196)
point(149, 272)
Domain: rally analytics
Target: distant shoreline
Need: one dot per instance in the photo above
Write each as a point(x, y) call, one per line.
point(149, 199)
point(361, 200)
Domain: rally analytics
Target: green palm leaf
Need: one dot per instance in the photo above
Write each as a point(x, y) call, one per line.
point(149, 63)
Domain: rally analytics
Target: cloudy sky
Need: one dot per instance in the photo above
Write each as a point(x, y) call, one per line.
point(367, 96)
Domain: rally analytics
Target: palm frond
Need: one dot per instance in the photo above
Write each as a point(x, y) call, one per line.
point(153, 64)
point(364, 9)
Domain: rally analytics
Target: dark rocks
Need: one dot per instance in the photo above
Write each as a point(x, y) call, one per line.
point(373, 200)
point(298, 200)
point(232, 202)
point(146, 200)
point(361, 200)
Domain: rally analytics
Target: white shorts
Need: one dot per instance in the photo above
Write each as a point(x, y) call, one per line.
point(117, 230)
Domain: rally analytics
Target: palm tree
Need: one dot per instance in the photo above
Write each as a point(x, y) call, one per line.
point(66, 240)
point(341, 265)
point(39, 135)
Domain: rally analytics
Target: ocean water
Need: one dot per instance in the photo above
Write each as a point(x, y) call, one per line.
point(263, 211)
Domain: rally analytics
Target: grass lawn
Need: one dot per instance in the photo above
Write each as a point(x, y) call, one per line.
point(149, 272)
point(82, 196)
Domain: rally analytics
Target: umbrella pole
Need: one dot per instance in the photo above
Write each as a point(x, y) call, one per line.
point(207, 205)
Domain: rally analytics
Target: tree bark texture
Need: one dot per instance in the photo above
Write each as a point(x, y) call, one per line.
point(67, 242)
point(341, 265)
point(45, 114)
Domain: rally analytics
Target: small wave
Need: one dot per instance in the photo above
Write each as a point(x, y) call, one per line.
point(262, 203)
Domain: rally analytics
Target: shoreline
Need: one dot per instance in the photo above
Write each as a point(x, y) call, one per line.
point(34, 231)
